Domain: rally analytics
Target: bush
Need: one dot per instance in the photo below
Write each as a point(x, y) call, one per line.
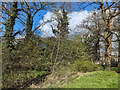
point(26, 62)
point(115, 69)
point(86, 66)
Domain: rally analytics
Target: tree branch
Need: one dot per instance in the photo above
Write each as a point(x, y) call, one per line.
point(41, 25)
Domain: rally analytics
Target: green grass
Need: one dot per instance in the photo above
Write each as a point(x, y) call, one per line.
point(101, 79)
point(19, 77)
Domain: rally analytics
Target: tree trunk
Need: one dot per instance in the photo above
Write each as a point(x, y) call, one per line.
point(98, 51)
point(108, 35)
point(96, 48)
point(29, 27)
point(9, 38)
point(119, 49)
point(108, 45)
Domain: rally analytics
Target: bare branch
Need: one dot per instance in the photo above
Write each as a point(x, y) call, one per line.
point(2, 23)
point(42, 25)
point(3, 17)
point(21, 21)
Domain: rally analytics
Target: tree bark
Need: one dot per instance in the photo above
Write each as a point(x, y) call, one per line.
point(9, 38)
point(108, 35)
point(108, 45)
point(29, 27)
point(119, 48)
point(96, 48)
point(119, 39)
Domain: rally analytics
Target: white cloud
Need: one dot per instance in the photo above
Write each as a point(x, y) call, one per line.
point(46, 29)
point(20, 36)
point(75, 18)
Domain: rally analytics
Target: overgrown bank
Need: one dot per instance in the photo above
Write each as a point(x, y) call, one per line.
point(31, 57)
point(96, 79)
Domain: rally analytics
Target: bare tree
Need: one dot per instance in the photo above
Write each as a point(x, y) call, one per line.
point(94, 24)
point(31, 9)
point(109, 11)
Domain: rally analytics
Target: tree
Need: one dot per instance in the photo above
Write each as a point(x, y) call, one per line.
point(12, 13)
point(117, 34)
point(108, 32)
point(31, 9)
point(62, 20)
point(93, 24)
point(9, 26)
point(119, 38)
point(62, 30)
point(107, 15)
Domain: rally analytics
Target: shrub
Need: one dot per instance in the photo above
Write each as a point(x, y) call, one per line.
point(86, 66)
point(115, 69)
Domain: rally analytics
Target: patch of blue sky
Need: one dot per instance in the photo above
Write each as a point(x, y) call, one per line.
point(40, 15)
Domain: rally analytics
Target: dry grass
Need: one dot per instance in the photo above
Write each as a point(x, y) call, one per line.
point(59, 79)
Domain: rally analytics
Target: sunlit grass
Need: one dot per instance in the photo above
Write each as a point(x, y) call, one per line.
point(101, 79)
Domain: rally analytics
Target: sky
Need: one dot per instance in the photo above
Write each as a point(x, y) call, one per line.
point(44, 14)
point(41, 15)
point(75, 18)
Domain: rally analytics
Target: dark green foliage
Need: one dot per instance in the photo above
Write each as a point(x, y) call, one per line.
point(18, 78)
point(34, 57)
point(117, 69)
point(86, 66)
point(27, 61)
point(74, 49)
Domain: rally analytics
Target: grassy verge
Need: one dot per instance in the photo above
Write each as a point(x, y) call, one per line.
point(101, 79)
point(18, 78)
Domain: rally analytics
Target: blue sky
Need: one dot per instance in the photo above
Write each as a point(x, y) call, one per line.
point(40, 15)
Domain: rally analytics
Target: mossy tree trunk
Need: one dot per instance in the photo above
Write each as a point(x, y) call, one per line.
point(9, 41)
point(29, 32)
point(9, 38)
point(9, 35)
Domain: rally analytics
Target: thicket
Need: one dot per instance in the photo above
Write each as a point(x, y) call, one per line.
point(23, 61)
point(33, 58)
